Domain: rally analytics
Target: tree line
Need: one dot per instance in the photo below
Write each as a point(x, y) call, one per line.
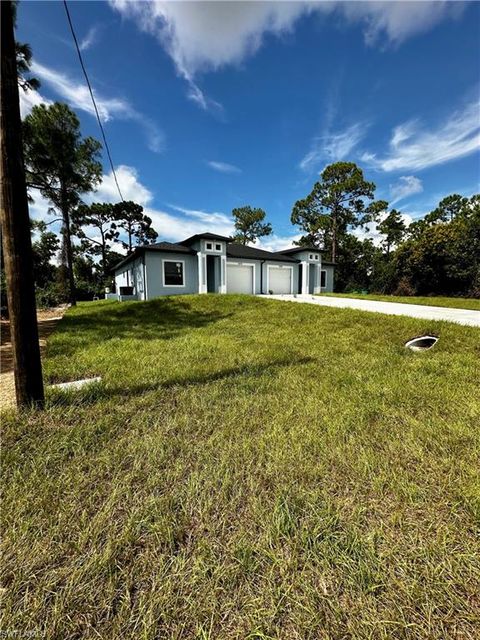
point(437, 254)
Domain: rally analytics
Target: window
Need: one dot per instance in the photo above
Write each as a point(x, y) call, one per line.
point(172, 274)
point(316, 257)
point(218, 247)
point(209, 246)
point(323, 278)
point(311, 256)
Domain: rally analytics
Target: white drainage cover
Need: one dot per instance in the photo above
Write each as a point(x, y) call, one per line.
point(75, 384)
point(422, 343)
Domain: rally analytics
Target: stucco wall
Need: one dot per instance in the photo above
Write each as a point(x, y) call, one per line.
point(154, 269)
point(131, 275)
point(330, 270)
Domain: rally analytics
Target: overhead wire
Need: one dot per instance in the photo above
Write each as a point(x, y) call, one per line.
point(79, 52)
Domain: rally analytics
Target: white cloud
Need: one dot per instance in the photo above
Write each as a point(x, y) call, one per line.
point(332, 147)
point(405, 186)
point(78, 96)
point(206, 36)
point(39, 209)
point(90, 38)
point(277, 243)
point(30, 99)
point(398, 20)
point(414, 148)
point(223, 167)
point(130, 186)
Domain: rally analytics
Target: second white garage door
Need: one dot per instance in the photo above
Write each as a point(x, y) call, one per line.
point(280, 279)
point(239, 278)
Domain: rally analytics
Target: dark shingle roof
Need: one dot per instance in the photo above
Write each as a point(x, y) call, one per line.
point(170, 247)
point(298, 249)
point(207, 236)
point(244, 251)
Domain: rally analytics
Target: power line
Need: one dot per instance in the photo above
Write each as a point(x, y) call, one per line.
point(107, 149)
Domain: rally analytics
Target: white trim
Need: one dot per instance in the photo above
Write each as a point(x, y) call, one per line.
point(279, 266)
point(305, 276)
point(223, 274)
point(163, 273)
point(316, 285)
point(199, 266)
point(242, 264)
point(213, 243)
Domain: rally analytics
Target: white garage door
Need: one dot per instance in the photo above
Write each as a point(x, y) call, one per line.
point(239, 278)
point(280, 279)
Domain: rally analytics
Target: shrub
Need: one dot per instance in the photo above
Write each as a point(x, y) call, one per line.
point(404, 288)
point(51, 295)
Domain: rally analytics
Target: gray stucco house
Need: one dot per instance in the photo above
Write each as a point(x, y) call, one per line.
point(209, 263)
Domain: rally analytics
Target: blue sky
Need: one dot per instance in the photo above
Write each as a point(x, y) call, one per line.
point(210, 106)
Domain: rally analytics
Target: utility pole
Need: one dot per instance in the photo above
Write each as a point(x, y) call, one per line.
point(17, 243)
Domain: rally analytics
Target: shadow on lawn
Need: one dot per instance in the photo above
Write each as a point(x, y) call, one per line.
point(160, 319)
point(98, 392)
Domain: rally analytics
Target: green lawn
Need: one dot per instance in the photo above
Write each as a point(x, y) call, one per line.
point(431, 301)
point(248, 469)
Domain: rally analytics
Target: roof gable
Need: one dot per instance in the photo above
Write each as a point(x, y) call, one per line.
point(202, 236)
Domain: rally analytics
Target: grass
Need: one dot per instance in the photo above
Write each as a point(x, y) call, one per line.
point(430, 301)
point(248, 468)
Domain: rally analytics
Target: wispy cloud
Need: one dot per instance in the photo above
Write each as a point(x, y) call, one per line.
point(90, 38)
point(277, 243)
point(413, 147)
point(332, 147)
point(30, 99)
point(405, 186)
point(223, 167)
point(173, 225)
point(78, 96)
point(216, 218)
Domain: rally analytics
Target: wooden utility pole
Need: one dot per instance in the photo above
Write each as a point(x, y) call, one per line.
point(17, 243)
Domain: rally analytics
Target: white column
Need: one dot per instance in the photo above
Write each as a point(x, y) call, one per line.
point(305, 275)
point(317, 288)
point(202, 280)
point(223, 275)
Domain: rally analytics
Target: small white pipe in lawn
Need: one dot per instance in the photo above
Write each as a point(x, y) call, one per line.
point(75, 384)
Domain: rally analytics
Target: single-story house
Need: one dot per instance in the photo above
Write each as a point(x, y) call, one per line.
point(210, 263)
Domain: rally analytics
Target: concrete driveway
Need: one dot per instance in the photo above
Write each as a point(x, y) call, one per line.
point(460, 316)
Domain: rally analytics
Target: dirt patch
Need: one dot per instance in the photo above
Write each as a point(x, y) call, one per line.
point(47, 321)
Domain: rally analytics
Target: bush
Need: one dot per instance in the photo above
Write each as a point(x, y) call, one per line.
point(404, 288)
point(51, 295)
